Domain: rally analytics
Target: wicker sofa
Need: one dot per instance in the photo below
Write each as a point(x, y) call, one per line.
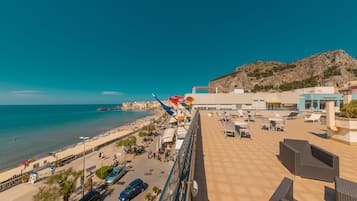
point(307, 160)
point(284, 192)
point(345, 190)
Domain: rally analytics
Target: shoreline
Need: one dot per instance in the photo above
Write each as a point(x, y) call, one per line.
point(95, 142)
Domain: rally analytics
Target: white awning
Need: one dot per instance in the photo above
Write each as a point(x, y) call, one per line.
point(167, 140)
point(172, 120)
point(178, 144)
point(168, 135)
point(181, 132)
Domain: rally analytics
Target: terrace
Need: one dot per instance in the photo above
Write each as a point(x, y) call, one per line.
point(228, 168)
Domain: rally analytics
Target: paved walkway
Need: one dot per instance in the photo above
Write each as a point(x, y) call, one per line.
point(140, 164)
point(248, 169)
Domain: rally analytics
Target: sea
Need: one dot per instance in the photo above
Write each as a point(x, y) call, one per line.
point(32, 131)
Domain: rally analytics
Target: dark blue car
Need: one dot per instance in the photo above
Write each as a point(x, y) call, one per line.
point(134, 188)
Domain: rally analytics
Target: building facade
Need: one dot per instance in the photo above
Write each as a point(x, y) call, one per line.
point(313, 98)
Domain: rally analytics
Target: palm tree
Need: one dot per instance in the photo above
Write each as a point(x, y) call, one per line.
point(59, 185)
point(47, 193)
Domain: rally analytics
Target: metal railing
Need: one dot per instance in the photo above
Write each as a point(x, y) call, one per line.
point(13, 181)
point(178, 184)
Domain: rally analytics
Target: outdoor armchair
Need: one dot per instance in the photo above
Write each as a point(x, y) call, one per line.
point(345, 190)
point(307, 160)
point(285, 191)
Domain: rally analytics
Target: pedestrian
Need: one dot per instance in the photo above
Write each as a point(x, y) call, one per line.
point(100, 154)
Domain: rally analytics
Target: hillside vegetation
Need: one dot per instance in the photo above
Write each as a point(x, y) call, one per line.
point(331, 68)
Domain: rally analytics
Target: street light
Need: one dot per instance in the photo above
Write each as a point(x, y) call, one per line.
point(84, 161)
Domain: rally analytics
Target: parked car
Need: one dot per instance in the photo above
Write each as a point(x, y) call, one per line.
point(92, 196)
point(134, 188)
point(139, 149)
point(115, 175)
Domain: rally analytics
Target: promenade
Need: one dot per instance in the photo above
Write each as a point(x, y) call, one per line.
point(65, 153)
point(102, 143)
point(232, 169)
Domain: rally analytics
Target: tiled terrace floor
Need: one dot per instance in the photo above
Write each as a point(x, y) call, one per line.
point(248, 169)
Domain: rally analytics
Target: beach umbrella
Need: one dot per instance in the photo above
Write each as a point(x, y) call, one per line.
point(23, 163)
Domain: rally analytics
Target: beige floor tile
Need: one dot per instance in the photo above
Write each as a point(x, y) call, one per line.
point(248, 169)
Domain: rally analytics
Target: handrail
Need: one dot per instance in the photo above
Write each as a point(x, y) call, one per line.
point(176, 187)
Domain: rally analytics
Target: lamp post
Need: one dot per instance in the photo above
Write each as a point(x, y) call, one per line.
point(84, 161)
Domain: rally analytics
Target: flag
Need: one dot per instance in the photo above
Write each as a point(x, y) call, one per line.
point(166, 108)
point(176, 99)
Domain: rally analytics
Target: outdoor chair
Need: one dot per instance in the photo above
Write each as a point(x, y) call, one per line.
point(251, 116)
point(284, 192)
point(307, 160)
point(244, 132)
point(313, 118)
point(345, 190)
point(240, 113)
point(280, 125)
point(265, 124)
point(229, 129)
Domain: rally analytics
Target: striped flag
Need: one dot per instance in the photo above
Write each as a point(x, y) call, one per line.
point(166, 108)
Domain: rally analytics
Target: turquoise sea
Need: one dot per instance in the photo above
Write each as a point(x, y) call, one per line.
point(31, 131)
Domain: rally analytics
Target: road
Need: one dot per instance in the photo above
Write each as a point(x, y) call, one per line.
point(151, 171)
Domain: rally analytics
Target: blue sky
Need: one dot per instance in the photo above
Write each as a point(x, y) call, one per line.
point(54, 52)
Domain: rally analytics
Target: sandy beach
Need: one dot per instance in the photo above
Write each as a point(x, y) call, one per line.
point(90, 144)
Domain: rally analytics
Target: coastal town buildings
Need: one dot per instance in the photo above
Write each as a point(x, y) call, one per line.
point(143, 105)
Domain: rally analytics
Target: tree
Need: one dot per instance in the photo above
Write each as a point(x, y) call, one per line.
point(59, 185)
point(128, 142)
point(143, 134)
point(47, 193)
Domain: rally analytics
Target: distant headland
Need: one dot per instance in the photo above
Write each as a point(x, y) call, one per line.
point(109, 108)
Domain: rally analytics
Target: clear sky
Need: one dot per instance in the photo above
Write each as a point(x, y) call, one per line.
point(109, 51)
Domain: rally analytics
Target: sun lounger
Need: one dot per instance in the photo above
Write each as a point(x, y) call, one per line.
point(313, 118)
point(292, 115)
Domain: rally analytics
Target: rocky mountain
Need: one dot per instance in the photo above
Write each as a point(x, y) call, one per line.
point(333, 68)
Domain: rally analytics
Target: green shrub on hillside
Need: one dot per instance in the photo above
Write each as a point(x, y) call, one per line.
point(332, 71)
point(310, 82)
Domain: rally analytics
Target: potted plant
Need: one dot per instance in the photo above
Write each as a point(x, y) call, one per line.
point(148, 197)
point(156, 190)
point(347, 124)
point(25, 178)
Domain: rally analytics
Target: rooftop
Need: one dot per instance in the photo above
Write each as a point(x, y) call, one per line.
point(249, 169)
